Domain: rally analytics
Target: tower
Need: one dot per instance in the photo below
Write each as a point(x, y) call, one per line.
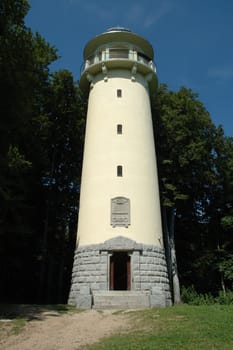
point(119, 251)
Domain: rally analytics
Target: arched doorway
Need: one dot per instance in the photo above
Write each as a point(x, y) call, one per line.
point(120, 274)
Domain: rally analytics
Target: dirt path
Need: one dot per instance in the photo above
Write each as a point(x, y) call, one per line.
point(66, 332)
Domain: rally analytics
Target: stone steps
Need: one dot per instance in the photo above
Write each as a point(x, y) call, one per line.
point(121, 300)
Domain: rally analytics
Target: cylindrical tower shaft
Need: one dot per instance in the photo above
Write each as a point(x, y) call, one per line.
point(119, 241)
point(119, 133)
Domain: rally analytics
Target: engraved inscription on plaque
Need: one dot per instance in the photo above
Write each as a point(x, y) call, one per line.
point(120, 211)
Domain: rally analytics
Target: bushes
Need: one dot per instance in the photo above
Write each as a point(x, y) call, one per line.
point(190, 296)
point(226, 298)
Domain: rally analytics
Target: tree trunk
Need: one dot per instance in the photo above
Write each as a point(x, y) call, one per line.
point(175, 278)
point(41, 289)
point(44, 249)
point(60, 292)
point(222, 281)
point(167, 247)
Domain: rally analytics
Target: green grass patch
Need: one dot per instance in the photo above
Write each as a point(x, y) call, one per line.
point(180, 327)
point(18, 324)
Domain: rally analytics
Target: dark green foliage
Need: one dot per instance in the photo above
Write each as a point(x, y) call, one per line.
point(196, 172)
point(190, 296)
point(41, 141)
point(61, 181)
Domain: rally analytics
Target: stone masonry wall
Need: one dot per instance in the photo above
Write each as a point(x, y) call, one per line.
point(150, 270)
point(91, 269)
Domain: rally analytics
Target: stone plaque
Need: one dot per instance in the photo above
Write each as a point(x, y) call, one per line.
point(120, 211)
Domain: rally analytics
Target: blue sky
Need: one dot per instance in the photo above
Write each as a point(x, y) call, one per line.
point(192, 39)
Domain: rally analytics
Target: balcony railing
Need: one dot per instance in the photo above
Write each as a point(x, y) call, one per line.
point(121, 54)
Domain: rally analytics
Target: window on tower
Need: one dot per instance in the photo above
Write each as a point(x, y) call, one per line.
point(119, 129)
point(119, 93)
point(119, 170)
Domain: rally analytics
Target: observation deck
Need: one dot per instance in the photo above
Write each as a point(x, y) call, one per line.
point(118, 48)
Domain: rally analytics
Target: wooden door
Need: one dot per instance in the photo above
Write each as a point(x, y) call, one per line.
point(111, 277)
point(120, 271)
point(128, 273)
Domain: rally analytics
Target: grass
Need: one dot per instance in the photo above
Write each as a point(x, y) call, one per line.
point(203, 327)
point(18, 324)
point(206, 327)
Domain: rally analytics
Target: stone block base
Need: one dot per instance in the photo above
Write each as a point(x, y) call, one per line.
point(83, 301)
point(91, 272)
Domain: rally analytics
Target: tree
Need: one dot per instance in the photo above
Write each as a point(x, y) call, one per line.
point(185, 138)
point(61, 179)
point(221, 222)
point(24, 80)
point(42, 128)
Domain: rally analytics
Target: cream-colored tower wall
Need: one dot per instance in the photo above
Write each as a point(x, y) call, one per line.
point(105, 150)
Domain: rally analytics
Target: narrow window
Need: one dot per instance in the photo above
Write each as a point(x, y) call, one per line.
point(119, 129)
point(119, 93)
point(119, 170)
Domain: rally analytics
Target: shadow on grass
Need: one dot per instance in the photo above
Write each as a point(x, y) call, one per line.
point(34, 312)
